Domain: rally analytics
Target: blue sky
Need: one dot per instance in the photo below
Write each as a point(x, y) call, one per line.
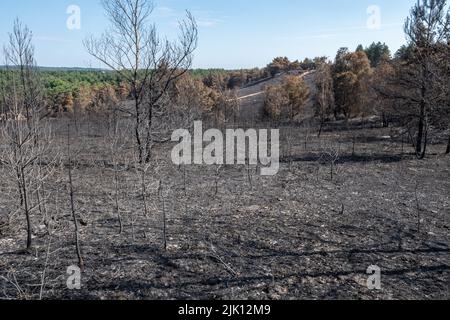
point(232, 33)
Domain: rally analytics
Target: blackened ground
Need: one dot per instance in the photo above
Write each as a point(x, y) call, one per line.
point(296, 235)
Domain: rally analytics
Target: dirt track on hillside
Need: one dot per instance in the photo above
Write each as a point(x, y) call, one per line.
point(251, 99)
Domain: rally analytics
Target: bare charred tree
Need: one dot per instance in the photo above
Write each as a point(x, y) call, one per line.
point(164, 214)
point(148, 64)
point(25, 133)
point(330, 155)
point(72, 201)
point(448, 146)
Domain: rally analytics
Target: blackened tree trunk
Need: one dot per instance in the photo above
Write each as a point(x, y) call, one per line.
point(420, 132)
point(385, 120)
point(322, 123)
point(72, 203)
point(448, 146)
point(27, 210)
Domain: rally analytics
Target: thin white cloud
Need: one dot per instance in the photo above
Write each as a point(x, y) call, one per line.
point(51, 39)
point(208, 23)
point(165, 12)
point(321, 36)
point(204, 18)
point(356, 28)
point(202, 13)
point(341, 32)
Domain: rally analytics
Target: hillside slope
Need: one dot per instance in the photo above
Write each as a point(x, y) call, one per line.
point(251, 98)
